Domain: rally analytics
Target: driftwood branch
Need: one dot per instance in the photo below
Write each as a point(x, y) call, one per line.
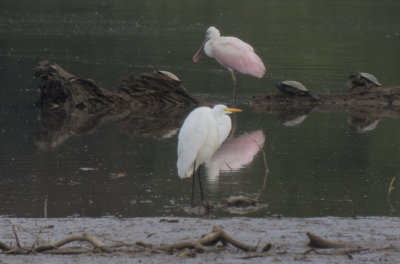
point(226, 237)
point(184, 249)
point(33, 234)
point(208, 239)
point(84, 237)
point(319, 242)
point(67, 251)
point(216, 235)
point(54, 248)
point(10, 249)
point(390, 189)
point(16, 237)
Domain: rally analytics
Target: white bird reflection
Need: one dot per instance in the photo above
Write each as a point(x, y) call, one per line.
point(235, 153)
point(294, 121)
point(362, 125)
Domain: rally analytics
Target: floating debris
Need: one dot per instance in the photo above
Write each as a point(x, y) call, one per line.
point(88, 169)
point(242, 204)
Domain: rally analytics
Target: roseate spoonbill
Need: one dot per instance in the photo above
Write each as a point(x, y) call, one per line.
point(201, 134)
point(231, 53)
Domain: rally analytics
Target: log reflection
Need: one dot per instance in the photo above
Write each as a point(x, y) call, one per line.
point(366, 105)
point(149, 104)
point(155, 104)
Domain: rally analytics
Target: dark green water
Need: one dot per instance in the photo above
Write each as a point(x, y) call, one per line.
point(319, 167)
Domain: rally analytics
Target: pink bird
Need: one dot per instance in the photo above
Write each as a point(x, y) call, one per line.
point(231, 53)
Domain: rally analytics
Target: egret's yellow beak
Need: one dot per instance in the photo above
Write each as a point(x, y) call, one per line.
point(233, 110)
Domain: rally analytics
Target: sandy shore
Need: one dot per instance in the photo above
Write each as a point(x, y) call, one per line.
point(371, 239)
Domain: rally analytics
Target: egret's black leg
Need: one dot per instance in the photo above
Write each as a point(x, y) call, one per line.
point(193, 176)
point(201, 187)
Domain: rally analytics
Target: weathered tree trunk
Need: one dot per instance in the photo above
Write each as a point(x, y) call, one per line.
point(152, 104)
point(151, 91)
point(362, 102)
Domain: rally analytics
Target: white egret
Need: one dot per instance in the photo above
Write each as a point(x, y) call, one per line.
point(200, 136)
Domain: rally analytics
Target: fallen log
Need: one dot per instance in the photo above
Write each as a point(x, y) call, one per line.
point(152, 104)
point(148, 91)
point(366, 101)
point(362, 102)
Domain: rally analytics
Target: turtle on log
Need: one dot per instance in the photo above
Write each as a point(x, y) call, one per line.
point(295, 88)
point(362, 79)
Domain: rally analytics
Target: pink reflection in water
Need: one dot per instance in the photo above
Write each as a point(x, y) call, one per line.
point(235, 153)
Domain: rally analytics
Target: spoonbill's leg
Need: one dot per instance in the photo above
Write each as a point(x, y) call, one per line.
point(234, 91)
point(232, 74)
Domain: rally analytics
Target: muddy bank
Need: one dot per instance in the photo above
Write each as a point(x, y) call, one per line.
point(368, 240)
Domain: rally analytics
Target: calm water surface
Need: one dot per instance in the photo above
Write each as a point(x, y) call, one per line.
point(318, 167)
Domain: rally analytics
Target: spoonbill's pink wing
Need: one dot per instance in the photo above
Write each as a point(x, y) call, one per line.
point(235, 54)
